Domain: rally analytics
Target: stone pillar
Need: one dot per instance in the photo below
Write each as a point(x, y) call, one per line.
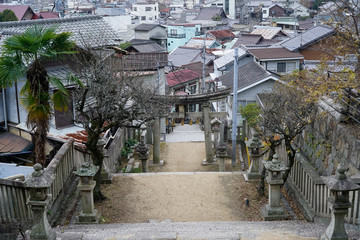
point(255, 145)
point(221, 154)
point(156, 139)
point(142, 150)
point(274, 211)
point(86, 186)
point(148, 134)
point(207, 133)
point(38, 183)
point(339, 186)
point(215, 126)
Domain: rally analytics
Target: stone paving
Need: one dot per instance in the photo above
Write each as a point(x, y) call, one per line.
point(186, 133)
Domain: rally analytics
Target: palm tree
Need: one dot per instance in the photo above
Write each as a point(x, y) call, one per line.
point(24, 56)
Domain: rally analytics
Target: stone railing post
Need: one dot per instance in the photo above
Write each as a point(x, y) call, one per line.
point(255, 145)
point(221, 153)
point(142, 150)
point(38, 183)
point(339, 186)
point(86, 186)
point(274, 211)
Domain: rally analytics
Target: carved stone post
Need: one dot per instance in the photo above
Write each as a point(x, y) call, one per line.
point(221, 153)
point(255, 145)
point(142, 150)
point(339, 186)
point(207, 132)
point(86, 186)
point(215, 126)
point(274, 211)
point(38, 183)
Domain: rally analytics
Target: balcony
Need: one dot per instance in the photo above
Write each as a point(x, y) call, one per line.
point(176, 35)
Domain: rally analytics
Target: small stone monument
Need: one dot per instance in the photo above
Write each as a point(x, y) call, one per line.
point(274, 211)
point(339, 186)
point(215, 126)
point(142, 150)
point(255, 145)
point(38, 183)
point(86, 186)
point(221, 153)
point(105, 176)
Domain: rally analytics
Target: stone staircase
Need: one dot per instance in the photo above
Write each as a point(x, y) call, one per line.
point(279, 230)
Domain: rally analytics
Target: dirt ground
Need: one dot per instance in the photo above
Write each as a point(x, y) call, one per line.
point(184, 197)
point(181, 197)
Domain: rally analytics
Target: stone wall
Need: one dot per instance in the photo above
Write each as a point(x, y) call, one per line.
point(326, 141)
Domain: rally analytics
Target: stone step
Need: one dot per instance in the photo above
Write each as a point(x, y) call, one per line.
point(281, 230)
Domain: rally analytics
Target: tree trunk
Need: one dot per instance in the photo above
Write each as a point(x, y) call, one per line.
point(291, 156)
point(97, 156)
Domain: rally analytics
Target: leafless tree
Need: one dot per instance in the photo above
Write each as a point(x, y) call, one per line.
point(113, 96)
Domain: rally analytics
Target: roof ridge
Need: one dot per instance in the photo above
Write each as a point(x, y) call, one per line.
point(51, 20)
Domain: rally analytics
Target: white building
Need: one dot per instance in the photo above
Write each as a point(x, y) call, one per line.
point(145, 12)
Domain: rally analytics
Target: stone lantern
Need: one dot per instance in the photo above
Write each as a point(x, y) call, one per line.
point(339, 186)
point(273, 210)
point(254, 145)
point(86, 186)
point(38, 183)
point(221, 153)
point(215, 126)
point(142, 150)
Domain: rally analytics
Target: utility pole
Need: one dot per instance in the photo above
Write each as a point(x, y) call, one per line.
point(234, 108)
point(203, 76)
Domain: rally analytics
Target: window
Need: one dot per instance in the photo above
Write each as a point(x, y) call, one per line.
point(150, 18)
point(192, 89)
point(192, 107)
point(148, 9)
point(264, 11)
point(173, 32)
point(154, 8)
point(135, 9)
point(168, 44)
point(271, 66)
point(290, 66)
point(155, 17)
point(143, 18)
point(281, 67)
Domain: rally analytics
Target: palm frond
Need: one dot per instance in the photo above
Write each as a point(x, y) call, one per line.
point(11, 70)
point(61, 101)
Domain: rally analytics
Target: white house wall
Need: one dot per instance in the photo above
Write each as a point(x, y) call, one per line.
point(12, 106)
point(119, 23)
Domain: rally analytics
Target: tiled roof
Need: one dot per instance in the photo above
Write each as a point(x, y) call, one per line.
point(12, 143)
point(274, 53)
point(199, 42)
point(47, 15)
point(185, 55)
point(93, 31)
point(249, 74)
point(61, 72)
point(207, 13)
point(221, 34)
point(19, 10)
point(247, 39)
point(148, 47)
point(181, 76)
point(268, 33)
point(228, 58)
point(198, 67)
point(308, 37)
point(146, 27)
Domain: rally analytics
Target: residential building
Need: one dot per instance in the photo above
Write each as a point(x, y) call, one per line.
point(22, 12)
point(211, 14)
point(145, 12)
point(154, 32)
point(253, 79)
point(179, 34)
point(299, 10)
point(144, 46)
point(277, 60)
point(274, 10)
point(309, 42)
